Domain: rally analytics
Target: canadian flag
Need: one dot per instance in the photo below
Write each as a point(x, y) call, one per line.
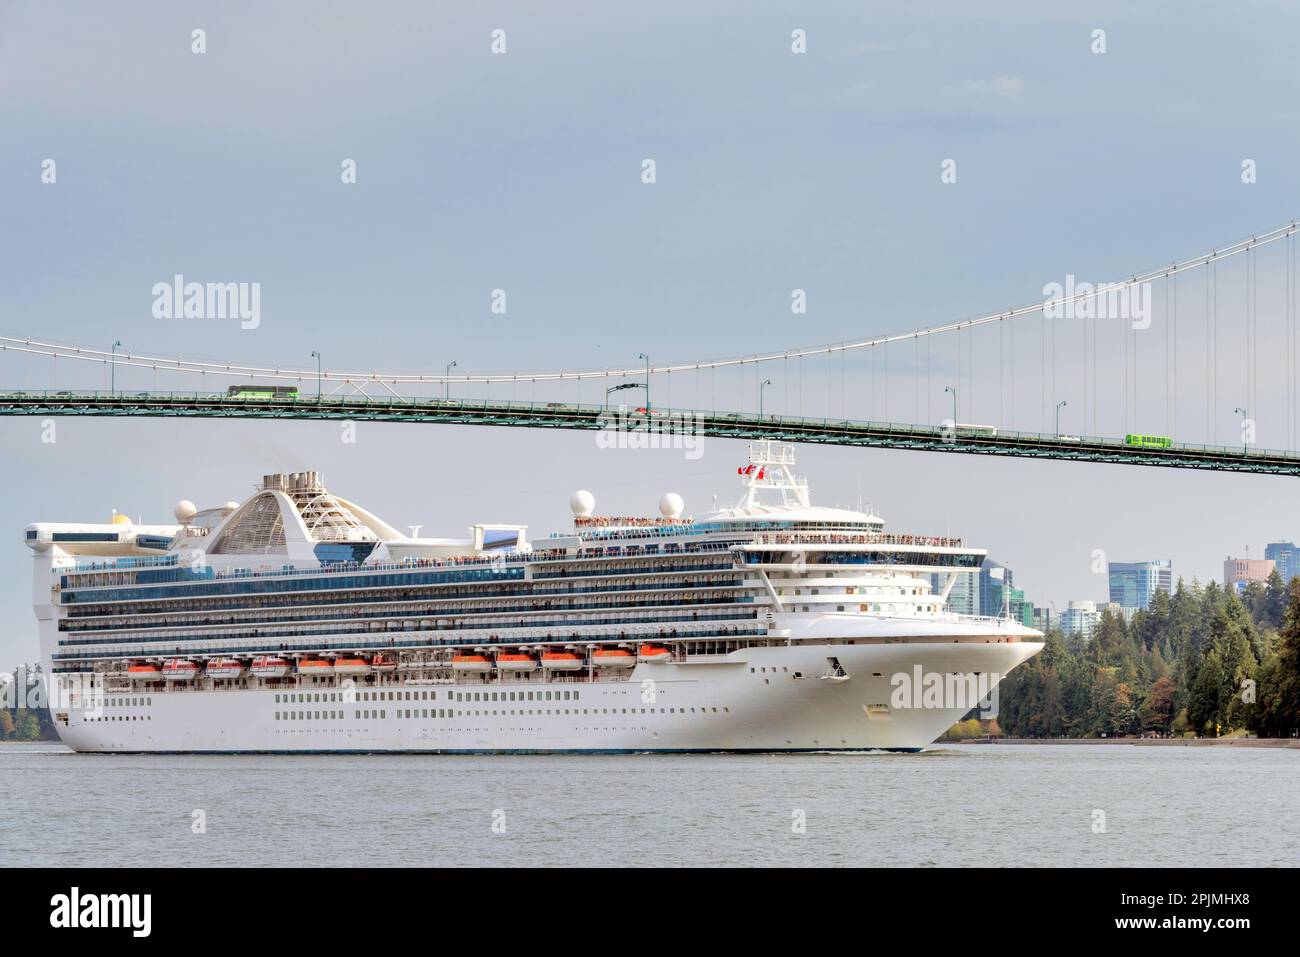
point(760, 473)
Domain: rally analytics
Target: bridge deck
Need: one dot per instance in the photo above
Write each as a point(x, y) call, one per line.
point(666, 422)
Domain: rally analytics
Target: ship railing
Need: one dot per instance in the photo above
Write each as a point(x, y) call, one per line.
point(836, 538)
point(505, 560)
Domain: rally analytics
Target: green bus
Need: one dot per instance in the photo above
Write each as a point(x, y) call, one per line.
point(1149, 441)
point(262, 392)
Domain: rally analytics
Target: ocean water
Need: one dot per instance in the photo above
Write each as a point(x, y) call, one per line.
point(1001, 805)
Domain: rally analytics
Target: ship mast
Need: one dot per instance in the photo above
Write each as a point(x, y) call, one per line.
point(770, 471)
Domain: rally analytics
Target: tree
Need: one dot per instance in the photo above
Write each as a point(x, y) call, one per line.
point(1157, 711)
point(1277, 712)
point(1205, 705)
point(1274, 605)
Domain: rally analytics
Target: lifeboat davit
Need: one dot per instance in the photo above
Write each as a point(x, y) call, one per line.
point(351, 666)
point(561, 661)
point(471, 663)
point(653, 653)
point(269, 666)
point(384, 663)
point(613, 658)
point(144, 672)
point(178, 669)
point(315, 667)
point(516, 662)
point(223, 669)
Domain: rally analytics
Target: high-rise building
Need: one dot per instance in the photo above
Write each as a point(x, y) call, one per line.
point(983, 593)
point(1080, 618)
point(995, 579)
point(963, 597)
point(1239, 572)
point(990, 593)
point(1042, 619)
point(1285, 557)
point(1021, 610)
point(1134, 584)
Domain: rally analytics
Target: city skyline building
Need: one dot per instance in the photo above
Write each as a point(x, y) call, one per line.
point(1239, 572)
point(1134, 584)
point(1286, 558)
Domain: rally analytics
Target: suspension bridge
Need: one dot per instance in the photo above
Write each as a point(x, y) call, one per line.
point(1140, 363)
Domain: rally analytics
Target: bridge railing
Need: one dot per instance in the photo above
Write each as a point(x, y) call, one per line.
point(635, 416)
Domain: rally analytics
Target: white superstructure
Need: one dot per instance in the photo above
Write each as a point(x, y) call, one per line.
point(299, 621)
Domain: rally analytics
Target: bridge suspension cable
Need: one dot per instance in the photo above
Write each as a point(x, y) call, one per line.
point(235, 370)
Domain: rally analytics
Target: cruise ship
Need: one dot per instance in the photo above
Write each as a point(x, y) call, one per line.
point(299, 621)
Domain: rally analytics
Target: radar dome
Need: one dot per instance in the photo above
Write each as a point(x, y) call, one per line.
point(230, 506)
point(185, 511)
point(121, 519)
point(583, 503)
point(671, 505)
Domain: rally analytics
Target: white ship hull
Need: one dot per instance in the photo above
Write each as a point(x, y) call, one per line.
point(758, 699)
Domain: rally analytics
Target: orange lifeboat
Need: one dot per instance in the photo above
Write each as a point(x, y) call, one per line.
point(512, 662)
point(223, 669)
point(351, 666)
point(654, 653)
point(384, 663)
point(315, 667)
point(178, 669)
point(144, 672)
point(269, 666)
point(471, 663)
point(613, 658)
point(561, 661)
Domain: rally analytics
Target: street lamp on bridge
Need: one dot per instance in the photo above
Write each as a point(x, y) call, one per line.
point(1245, 417)
point(446, 381)
point(1059, 406)
point(647, 381)
point(316, 355)
point(953, 390)
point(761, 386)
point(112, 367)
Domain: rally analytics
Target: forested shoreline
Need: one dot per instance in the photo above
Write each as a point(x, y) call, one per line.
point(1202, 661)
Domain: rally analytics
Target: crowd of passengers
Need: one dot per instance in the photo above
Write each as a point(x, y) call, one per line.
point(875, 538)
point(613, 521)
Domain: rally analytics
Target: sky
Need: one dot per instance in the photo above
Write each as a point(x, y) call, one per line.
point(774, 171)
